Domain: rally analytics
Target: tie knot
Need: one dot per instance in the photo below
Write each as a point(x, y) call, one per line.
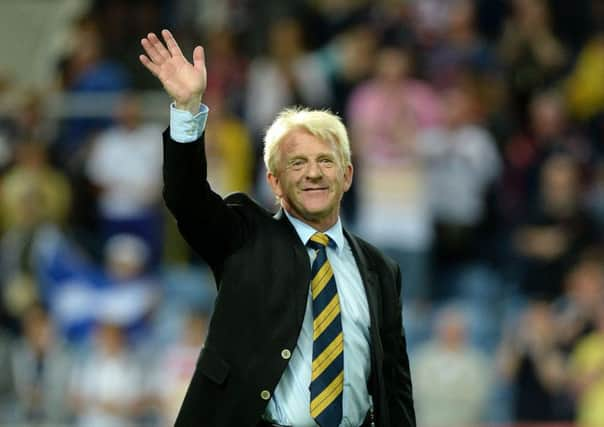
point(319, 241)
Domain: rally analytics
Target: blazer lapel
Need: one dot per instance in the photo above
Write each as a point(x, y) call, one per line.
point(370, 280)
point(302, 271)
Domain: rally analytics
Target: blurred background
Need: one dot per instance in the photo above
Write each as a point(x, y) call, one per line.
point(478, 137)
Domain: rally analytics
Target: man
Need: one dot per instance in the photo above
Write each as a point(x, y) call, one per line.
point(307, 328)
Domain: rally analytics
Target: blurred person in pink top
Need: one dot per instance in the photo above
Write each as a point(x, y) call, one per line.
point(385, 113)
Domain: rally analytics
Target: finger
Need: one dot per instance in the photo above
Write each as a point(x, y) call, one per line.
point(149, 64)
point(171, 43)
point(151, 52)
point(159, 46)
point(199, 58)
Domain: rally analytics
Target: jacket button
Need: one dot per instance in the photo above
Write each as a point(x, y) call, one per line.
point(265, 394)
point(286, 354)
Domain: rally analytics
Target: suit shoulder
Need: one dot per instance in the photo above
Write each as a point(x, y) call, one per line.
point(376, 256)
point(244, 202)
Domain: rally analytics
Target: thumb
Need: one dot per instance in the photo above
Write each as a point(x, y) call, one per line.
point(199, 58)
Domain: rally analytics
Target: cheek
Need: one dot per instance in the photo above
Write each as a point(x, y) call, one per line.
point(292, 181)
point(288, 187)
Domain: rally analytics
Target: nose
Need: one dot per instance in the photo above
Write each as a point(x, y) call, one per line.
point(313, 171)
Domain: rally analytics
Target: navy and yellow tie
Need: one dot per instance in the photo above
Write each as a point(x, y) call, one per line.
point(327, 382)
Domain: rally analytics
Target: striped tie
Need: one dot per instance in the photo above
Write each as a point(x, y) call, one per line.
point(327, 381)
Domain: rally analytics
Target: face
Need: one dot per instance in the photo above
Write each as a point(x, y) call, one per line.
point(310, 179)
point(392, 64)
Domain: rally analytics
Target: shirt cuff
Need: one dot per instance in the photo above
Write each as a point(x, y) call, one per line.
point(186, 127)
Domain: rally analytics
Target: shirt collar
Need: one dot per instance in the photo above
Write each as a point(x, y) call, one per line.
point(305, 231)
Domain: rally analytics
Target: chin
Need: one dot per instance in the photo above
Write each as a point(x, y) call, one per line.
point(317, 214)
point(316, 211)
point(317, 205)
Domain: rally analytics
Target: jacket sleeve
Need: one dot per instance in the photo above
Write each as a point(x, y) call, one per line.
point(396, 367)
point(212, 227)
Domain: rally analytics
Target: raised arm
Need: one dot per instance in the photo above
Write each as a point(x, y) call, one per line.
point(212, 227)
point(183, 81)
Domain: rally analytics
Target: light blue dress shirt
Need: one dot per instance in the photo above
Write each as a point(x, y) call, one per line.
point(290, 403)
point(186, 127)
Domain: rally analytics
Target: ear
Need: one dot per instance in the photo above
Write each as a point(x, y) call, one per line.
point(275, 184)
point(348, 172)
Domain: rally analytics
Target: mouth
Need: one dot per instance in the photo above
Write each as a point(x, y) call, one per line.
point(315, 190)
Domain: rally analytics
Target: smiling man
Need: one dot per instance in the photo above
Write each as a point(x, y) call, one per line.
point(307, 326)
point(308, 168)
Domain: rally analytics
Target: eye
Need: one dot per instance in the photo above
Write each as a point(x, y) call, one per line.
point(297, 164)
point(326, 162)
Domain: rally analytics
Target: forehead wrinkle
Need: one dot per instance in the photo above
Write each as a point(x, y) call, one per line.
point(292, 141)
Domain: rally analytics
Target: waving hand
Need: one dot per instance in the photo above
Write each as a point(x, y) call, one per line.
point(183, 81)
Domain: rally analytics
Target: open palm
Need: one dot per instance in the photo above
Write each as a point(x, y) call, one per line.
point(183, 81)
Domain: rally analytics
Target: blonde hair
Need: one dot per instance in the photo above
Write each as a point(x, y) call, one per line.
point(321, 123)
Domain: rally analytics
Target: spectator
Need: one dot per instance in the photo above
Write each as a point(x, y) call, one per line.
point(32, 183)
point(31, 121)
point(577, 310)
point(460, 50)
point(533, 56)
point(429, 20)
point(462, 164)
point(556, 232)
point(329, 19)
point(86, 70)
point(550, 131)
point(82, 293)
point(130, 293)
point(34, 200)
point(175, 368)
point(385, 113)
point(229, 149)
point(125, 167)
point(531, 359)
point(106, 389)
point(287, 76)
point(585, 90)
point(349, 59)
point(587, 374)
point(451, 379)
point(41, 367)
point(227, 77)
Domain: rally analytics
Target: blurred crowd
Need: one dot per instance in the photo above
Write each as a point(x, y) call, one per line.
point(478, 144)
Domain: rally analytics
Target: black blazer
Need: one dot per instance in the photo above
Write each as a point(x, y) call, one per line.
point(262, 273)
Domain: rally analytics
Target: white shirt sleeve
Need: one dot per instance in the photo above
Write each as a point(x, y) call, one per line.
point(186, 127)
